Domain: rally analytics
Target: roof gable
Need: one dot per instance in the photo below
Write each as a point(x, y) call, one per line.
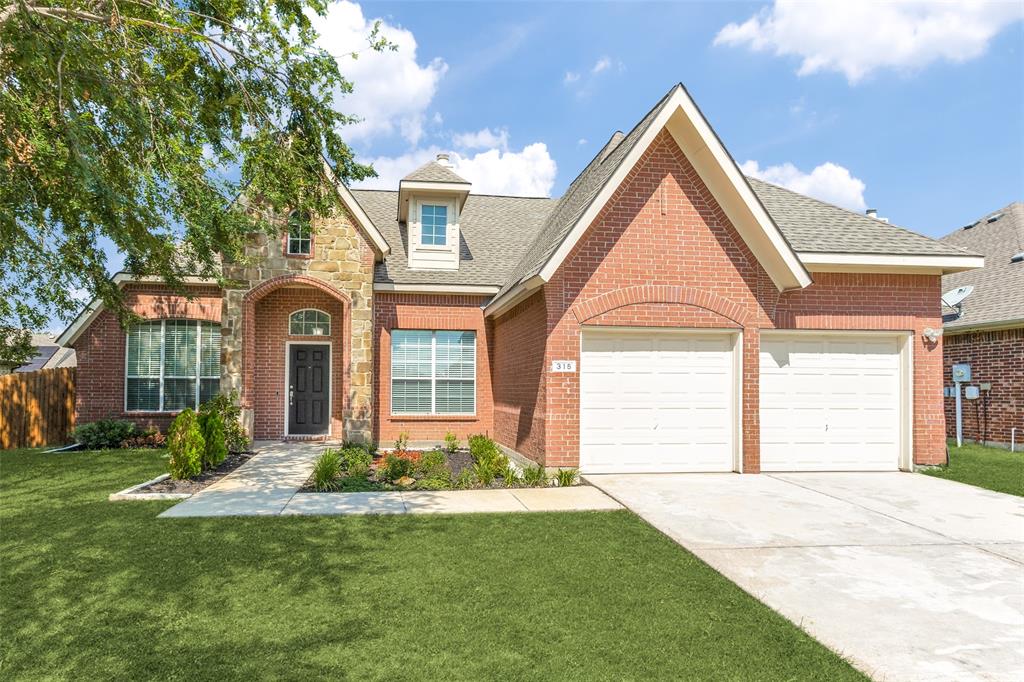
point(432, 171)
point(588, 194)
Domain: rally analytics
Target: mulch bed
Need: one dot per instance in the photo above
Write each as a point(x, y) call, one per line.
point(207, 478)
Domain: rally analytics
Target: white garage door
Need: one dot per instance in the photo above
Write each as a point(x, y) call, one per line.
point(830, 403)
point(656, 401)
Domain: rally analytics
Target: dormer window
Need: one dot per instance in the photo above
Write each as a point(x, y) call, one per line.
point(300, 234)
point(434, 225)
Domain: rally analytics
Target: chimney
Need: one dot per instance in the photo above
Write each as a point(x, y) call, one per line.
point(443, 160)
point(871, 213)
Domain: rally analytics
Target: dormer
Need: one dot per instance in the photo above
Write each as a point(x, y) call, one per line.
point(430, 200)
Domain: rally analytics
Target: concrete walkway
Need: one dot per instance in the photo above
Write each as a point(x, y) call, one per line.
point(907, 576)
point(268, 485)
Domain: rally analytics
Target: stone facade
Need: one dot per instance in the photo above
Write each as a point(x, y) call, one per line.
point(340, 264)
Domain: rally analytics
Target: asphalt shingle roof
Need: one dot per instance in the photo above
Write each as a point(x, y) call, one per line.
point(998, 294)
point(811, 225)
point(432, 171)
point(494, 233)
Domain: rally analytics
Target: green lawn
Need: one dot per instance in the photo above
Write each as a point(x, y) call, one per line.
point(91, 589)
point(986, 467)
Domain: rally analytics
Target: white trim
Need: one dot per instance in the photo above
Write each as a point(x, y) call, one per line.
point(330, 322)
point(426, 186)
point(484, 290)
point(513, 296)
point(346, 196)
point(872, 262)
point(330, 384)
point(735, 336)
point(905, 350)
point(999, 325)
point(89, 313)
point(795, 275)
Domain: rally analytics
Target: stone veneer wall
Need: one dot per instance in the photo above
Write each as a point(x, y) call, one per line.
point(342, 258)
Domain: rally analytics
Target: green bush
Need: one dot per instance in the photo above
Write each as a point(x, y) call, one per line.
point(451, 442)
point(327, 471)
point(509, 476)
point(482, 447)
point(484, 472)
point(212, 427)
point(355, 460)
point(396, 467)
point(432, 464)
point(105, 434)
point(231, 418)
point(465, 480)
point(150, 438)
point(566, 477)
point(185, 446)
point(355, 484)
point(535, 476)
point(441, 481)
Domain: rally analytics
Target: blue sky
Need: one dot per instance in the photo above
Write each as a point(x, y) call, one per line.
point(922, 105)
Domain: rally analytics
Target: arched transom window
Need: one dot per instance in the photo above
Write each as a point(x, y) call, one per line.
point(309, 322)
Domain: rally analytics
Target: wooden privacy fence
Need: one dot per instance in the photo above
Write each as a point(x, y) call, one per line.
point(37, 408)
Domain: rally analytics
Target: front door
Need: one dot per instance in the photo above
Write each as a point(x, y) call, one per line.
point(309, 386)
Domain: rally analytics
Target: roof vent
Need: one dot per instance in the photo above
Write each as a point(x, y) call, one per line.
point(994, 217)
point(1017, 257)
point(444, 160)
point(871, 213)
point(967, 227)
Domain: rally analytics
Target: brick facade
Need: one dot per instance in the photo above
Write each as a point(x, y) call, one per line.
point(453, 313)
point(100, 350)
point(663, 253)
point(518, 344)
point(996, 357)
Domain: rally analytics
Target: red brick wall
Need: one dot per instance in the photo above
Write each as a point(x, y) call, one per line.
point(518, 345)
point(662, 253)
point(271, 336)
point(418, 311)
point(996, 357)
point(100, 350)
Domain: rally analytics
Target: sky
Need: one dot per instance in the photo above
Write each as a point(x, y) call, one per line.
point(913, 108)
point(916, 109)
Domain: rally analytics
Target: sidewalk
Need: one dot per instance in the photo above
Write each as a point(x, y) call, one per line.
point(268, 485)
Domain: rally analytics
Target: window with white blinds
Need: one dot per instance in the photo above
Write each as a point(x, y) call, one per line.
point(433, 372)
point(171, 365)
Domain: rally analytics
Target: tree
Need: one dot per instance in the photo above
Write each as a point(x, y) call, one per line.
point(118, 119)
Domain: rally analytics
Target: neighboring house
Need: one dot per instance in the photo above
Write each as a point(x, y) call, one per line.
point(665, 314)
point(48, 355)
point(987, 329)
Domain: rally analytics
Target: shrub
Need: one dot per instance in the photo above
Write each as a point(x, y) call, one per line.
point(482, 447)
point(510, 476)
point(185, 446)
point(535, 476)
point(231, 418)
point(355, 460)
point(451, 442)
point(566, 477)
point(150, 438)
point(484, 472)
point(432, 464)
point(402, 443)
point(327, 471)
point(439, 482)
point(355, 484)
point(212, 427)
point(465, 480)
point(395, 467)
point(105, 434)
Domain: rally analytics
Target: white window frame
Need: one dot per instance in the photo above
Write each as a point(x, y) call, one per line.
point(449, 226)
point(308, 238)
point(199, 376)
point(433, 378)
point(315, 310)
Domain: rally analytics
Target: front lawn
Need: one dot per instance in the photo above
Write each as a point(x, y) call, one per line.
point(986, 467)
point(91, 589)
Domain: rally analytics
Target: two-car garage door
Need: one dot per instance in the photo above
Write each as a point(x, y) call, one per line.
point(666, 401)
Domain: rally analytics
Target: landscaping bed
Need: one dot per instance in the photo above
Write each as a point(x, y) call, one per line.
point(358, 468)
point(204, 479)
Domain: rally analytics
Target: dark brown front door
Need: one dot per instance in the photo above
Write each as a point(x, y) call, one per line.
point(309, 371)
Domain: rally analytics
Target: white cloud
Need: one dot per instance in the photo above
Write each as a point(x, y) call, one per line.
point(529, 172)
point(570, 77)
point(582, 141)
point(829, 182)
point(857, 38)
point(392, 90)
point(602, 64)
point(482, 139)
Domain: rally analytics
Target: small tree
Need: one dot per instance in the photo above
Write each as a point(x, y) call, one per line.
point(213, 433)
point(186, 446)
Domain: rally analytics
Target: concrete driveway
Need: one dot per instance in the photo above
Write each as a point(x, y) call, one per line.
point(907, 576)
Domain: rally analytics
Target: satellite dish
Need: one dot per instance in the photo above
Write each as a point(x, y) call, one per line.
point(954, 298)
